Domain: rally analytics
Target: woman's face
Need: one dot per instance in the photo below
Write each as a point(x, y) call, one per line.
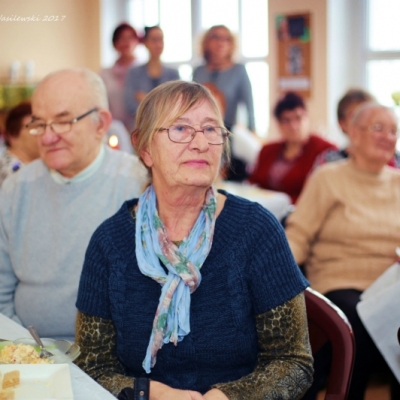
point(191, 165)
point(26, 141)
point(294, 125)
point(219, 44)
point(126, 43)
point(154, 42)
point(374, 137)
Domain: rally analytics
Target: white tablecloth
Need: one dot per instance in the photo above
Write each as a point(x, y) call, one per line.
point(277, 203)
point(83, 387)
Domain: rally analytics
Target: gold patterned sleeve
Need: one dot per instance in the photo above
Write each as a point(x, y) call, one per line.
point(96, 337)
point(285, 365)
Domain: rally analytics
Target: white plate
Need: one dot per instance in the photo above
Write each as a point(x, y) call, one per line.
point(41, 382)
point(61, 349)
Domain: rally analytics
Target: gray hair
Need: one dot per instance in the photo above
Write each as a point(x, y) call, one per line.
point(363, 109)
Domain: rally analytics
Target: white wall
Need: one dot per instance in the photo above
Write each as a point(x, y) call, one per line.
point(112, 13)
point(70, 41)
point(345, 33)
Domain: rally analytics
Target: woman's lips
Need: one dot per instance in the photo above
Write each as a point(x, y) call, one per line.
point(197, 162)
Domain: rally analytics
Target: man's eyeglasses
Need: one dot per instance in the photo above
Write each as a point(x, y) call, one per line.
point(379, 128)
point(60, 127)
point(186, 133)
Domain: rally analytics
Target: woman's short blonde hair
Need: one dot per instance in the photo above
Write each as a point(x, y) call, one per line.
point(208, 35)
point(164, 105)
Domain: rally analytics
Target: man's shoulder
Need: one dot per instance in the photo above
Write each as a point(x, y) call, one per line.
point(121, 163)
point(28, 173)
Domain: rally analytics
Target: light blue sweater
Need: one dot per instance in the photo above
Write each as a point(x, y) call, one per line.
point(45, 228)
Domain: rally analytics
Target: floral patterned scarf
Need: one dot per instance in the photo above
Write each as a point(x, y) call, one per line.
point(183, 264)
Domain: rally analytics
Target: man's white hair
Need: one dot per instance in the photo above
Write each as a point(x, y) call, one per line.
point(97, 92)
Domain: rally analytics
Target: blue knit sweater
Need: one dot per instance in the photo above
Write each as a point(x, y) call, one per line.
point(248, 271)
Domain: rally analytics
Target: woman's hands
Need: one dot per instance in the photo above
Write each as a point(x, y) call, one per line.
point(159, 391)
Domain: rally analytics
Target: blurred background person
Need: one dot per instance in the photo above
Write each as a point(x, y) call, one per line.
point(125, 40)
point(218, 47)
point(142, 79)
point(21, 147)
point(244, 145)
point(345, 229)
point(345, 111)
point(284, 165)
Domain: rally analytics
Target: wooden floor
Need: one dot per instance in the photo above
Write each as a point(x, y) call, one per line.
point(376, 391)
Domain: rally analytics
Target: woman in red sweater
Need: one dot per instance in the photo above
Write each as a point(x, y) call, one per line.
point(284, 165)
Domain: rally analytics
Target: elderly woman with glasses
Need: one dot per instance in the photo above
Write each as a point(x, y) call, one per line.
point(346, 227)
point(189, 292)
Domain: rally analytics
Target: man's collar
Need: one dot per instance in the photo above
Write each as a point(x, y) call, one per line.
point(84, 174)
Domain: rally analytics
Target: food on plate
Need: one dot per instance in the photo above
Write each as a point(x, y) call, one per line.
point(11, 379)
point(7, 394)
point(21, 354)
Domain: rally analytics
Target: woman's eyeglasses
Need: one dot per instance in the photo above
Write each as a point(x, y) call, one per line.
point(186, 133)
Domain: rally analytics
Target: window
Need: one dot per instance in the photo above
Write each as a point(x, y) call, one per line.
point(383, 49)
point(183, 23)
point(383, 52)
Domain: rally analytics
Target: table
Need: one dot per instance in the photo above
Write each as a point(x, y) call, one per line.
point(83, 387)
point(277, 203)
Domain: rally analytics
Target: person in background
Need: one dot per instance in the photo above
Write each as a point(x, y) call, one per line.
point(21, 147)
point(218, 47)
point(285, 164)
point(124, 40)
point(171, 296)
point(346, 108)
point(51, 207)
point(345, 228)
point(142, 79)
point(244, 145)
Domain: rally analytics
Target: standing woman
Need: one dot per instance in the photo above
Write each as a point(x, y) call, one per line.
point(218, 46)
point(141, 80)
point(189, 291)
point(125, 40)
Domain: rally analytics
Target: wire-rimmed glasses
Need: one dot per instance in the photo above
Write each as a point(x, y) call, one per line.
point(185, 133)
point(59, 127)
point(380, 129)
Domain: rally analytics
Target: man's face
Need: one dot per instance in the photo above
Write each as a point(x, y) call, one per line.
point(60, 99)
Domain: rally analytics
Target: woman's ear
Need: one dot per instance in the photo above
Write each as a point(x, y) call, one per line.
point(145, 155)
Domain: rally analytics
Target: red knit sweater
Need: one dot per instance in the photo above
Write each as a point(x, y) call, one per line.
point(293, 181)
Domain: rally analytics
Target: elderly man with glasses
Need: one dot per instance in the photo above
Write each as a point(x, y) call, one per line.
point(50, 209)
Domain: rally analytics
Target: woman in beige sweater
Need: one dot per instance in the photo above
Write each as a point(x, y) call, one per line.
point(346, 225)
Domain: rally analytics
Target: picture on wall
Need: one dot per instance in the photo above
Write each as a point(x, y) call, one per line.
point(294, 53)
